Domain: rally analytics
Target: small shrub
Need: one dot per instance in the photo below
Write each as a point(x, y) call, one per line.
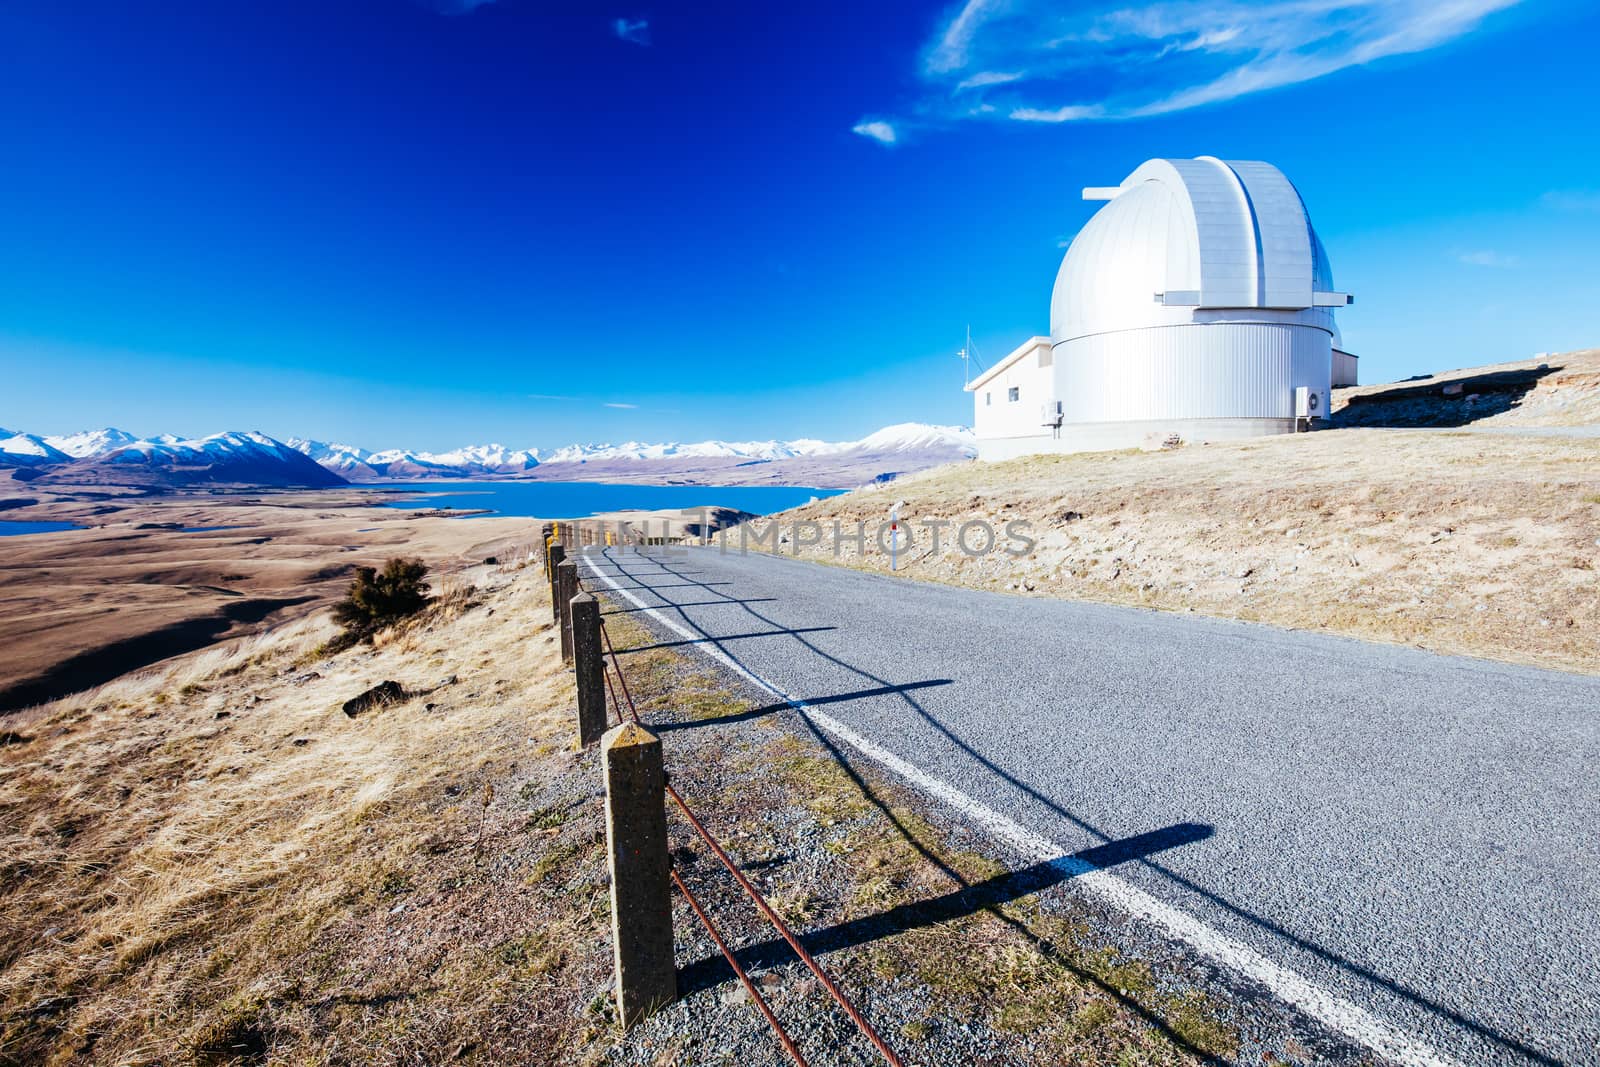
point(382, 598)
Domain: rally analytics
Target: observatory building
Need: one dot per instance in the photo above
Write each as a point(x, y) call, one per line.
point(1197, 304)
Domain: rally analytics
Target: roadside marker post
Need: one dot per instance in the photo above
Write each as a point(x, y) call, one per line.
point(557, 553)
point(590, 665)
point(566, 589)
point(636, 852)
point(894, 535)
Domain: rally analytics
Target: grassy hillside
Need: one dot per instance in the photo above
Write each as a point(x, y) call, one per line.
point(1555, 391)
point(210, 863)
point(1483, 543)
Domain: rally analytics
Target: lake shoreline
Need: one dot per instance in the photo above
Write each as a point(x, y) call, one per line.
point(147, 575)
point(577, 500)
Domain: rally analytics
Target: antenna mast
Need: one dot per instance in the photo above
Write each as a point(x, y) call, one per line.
point(967, 356)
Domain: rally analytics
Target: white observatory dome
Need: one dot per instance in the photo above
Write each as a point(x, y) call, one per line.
point(1199, 292)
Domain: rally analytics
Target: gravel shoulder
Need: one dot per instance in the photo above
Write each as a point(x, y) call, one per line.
point(1349, 822)
point(959, 952)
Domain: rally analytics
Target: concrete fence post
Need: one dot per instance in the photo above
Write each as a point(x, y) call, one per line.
point(566, 589)
point(590, 664)
point(558, 552)
point(636, 845)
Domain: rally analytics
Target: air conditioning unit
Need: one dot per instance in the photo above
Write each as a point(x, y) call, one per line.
point(1050, 413)
point(1308, 403)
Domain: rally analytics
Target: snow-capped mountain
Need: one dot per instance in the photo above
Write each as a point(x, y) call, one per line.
point(469, 461)
point(915, 436)
point(323, 452)
point(904, 437)
point(28, 450)
point(893, 449)
point(86, 443)
point(252, 458)
point(347, 461)
point(113, 456)
point(497, 458)
point(880, 456)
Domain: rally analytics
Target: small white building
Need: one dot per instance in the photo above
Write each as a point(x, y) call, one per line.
point(1197, 304)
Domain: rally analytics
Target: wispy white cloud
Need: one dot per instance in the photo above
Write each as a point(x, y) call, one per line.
point(1032, 61)
point(634, 31)
point(1069, 113)
point(1487, 258)
point(878, 130)
point(985, 78)
point(625, 407)
point(949, 51)
point(1572, 199)
point(547, 396)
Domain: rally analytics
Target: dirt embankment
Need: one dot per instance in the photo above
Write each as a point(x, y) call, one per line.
point(155, 576)
point(1479, 543)
point(1555, 392)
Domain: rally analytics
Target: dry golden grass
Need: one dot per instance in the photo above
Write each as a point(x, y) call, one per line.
point(210, 863)
point(1475, 543)
point(205, 860)
point(1565, 393)
point(85, 606)
point(1007, 961)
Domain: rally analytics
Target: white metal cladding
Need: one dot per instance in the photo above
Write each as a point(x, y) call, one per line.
point(1140, 244)
point(1284, 232)
point(1218, 370)
point(1236, 233)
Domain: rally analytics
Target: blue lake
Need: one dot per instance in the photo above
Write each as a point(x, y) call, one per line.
point(13, 527)
point(576, 500)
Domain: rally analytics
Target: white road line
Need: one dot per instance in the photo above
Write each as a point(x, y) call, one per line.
point(1330, 1009)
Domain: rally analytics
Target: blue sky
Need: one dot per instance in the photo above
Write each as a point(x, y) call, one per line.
point(428, 224)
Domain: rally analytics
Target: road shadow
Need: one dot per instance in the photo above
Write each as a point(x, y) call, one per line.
point(705, 972)
point(770, 709)
point(724, 637)
point(1261, 922)
point(967, 899)
point(695, 604)
point(1457, 402)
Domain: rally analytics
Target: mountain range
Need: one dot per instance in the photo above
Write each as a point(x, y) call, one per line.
point(114, 456)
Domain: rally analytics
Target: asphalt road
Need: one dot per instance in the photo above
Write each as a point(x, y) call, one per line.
point(1414, 833)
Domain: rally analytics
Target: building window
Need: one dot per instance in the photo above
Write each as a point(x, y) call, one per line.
point(1014, 393)
point(988, 398)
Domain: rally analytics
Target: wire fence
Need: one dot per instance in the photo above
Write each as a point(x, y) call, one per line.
point(617, 682)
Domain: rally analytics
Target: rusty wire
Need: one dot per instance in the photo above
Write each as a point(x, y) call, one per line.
point(788, 935)
point(777, 1027)
point(755, 894)
point(611, 650)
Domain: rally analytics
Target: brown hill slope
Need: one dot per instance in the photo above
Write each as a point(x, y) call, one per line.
point(1561, 390)
point(1481, 540)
